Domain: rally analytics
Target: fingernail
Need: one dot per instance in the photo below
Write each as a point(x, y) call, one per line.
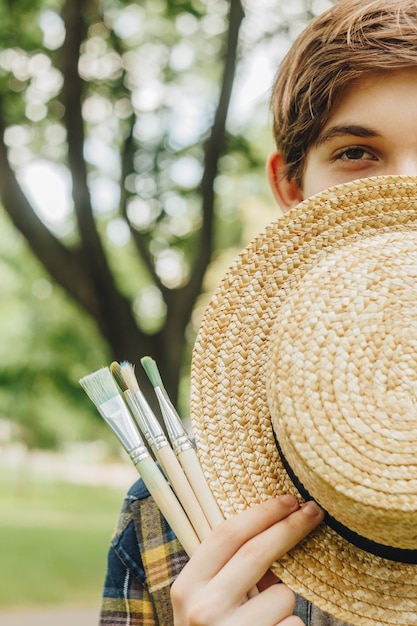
point(290, 501)
point(312, 509)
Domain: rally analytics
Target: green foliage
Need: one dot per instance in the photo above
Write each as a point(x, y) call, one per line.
point(130, 151)
point(11, 12)
point(46, 343)
point(129, 47)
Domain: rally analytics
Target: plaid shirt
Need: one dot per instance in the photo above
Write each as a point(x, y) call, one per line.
point(144, 559)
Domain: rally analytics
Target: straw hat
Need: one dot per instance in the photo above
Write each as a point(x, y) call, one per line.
point(304, 381)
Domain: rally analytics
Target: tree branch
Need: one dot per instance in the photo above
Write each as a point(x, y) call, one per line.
point(72, 95)
point(127, 167)
point(180, 302)
point(115, 309)
point(181, 306)
point(63, 264)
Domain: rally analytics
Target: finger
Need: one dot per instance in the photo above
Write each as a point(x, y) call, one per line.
point(253, 559)
point(267, 580)
point(268, 608)
point(293, 620)
point(229, 536)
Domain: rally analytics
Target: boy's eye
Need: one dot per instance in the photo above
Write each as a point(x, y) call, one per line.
point(355, 154)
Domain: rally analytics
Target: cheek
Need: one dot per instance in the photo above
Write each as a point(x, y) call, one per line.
point(318, 177)
point(313, 182)
point(311, 178)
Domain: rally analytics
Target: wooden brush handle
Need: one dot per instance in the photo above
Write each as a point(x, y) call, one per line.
point(192, 469)
point(184, 491)
point(168, 504)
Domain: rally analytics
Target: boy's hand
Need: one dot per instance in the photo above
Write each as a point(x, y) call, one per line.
point(213, 588)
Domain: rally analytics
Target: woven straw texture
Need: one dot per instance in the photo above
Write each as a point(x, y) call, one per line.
point(313, 334)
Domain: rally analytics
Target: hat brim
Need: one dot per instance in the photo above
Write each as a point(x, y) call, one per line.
point(229, 402)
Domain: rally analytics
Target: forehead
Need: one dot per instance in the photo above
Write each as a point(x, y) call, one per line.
point(383, 96)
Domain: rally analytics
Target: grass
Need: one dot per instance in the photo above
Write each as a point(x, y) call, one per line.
point(54, 538)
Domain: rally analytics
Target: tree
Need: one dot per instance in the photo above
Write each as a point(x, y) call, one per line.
point(82, 261)
point(128, 102)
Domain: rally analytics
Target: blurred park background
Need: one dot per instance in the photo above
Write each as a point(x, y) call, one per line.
point(133, 137)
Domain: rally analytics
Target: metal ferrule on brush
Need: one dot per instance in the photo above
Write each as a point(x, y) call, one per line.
point(178, 435)
point(117, 416)
point(147, 421)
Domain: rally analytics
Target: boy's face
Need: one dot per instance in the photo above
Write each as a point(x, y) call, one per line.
point(372, 131)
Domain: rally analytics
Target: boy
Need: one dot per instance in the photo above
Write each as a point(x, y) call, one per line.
point(345, 107)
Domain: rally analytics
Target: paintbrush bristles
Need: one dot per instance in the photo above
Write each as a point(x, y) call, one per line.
point(99, 386)
point(116, 372)
point(152, 371)
point(127, 371)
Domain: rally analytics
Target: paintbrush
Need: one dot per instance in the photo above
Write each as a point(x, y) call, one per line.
point(152, 431)
point(185, 450)
point(183, 446)
point(141, 411)
point(102, 390)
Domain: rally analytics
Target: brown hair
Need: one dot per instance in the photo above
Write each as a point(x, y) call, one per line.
point(350, 40)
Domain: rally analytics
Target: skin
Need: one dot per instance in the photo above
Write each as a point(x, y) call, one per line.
point(213, 588)
point(368, 134)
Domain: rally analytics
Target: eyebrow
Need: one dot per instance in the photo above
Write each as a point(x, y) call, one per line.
point(349, 129)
